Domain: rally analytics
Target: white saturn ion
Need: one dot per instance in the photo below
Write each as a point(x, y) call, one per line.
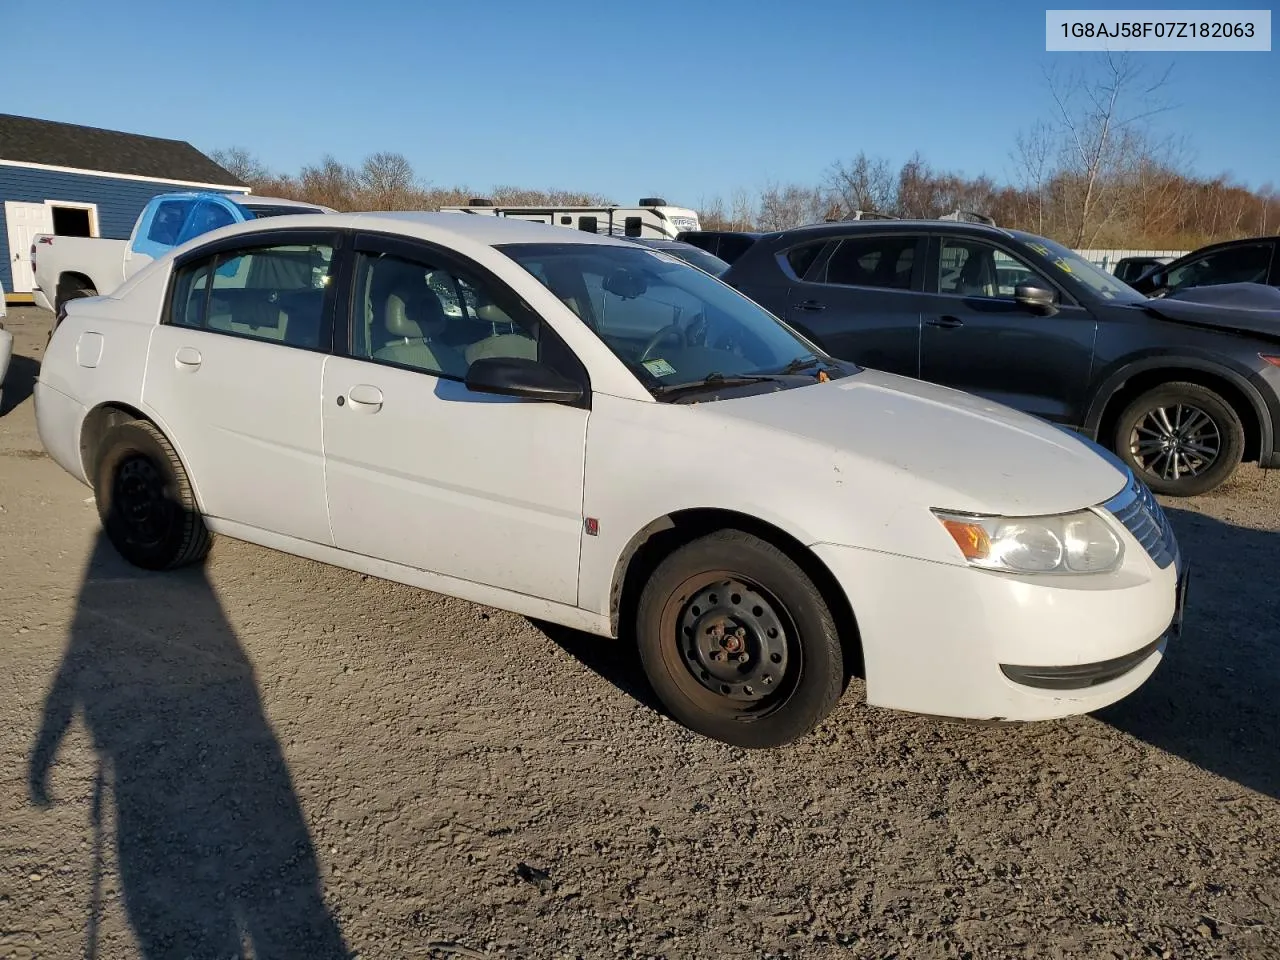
point(596, 434)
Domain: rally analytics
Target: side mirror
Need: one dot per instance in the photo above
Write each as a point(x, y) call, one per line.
point(1035, 298)
point(1158, 279)
point(518, 377)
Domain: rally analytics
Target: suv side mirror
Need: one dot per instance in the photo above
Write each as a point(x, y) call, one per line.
point(519, 377)
point(1035, 298)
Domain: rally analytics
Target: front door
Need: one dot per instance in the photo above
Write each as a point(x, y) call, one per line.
point(978, 338)
point(425, 473)
point(859, 299)
point(24, 221)
point(235, 370)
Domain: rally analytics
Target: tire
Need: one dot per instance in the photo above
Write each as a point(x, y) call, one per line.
point(790, 679)
point(1197, 416)
point(145, 500)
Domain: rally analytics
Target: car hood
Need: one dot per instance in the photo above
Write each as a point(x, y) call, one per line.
point(1245, 307)
point(970, 454)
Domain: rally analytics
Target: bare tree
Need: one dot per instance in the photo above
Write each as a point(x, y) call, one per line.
point(387, 182)
point(862, 183)
point(241, 164)
point(331, 183)
point(1103, 137)
point(781, 207)
point(1033, 150)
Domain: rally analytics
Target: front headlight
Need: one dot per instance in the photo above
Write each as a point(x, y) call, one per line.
point(1068, 543)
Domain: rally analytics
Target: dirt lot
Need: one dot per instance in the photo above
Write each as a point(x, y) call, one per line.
point(272, 752)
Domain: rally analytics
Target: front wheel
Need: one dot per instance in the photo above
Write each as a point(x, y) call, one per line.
point(738, 643)
point(1181, 439)
point(145, 501)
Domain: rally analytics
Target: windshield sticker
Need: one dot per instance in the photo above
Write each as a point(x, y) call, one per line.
point(1039, 248)
point(1062, 265)
point(659, 367)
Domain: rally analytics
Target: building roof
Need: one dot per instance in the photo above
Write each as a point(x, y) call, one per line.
point(94, 150)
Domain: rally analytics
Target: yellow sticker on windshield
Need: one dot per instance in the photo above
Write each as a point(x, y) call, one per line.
point(1062, 265)
point(659, 367)
point(1039, 248)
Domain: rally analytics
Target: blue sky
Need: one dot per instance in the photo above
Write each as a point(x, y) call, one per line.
point(683, 100)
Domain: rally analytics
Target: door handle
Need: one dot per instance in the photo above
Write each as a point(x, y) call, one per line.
point(946, 322)
point(187, 358)
point(364, 398)
point(812, 305)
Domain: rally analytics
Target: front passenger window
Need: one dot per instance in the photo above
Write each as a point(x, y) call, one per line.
point(973, 268)
point(414, 314)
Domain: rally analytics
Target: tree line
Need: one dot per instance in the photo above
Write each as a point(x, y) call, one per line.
point(1093, 172)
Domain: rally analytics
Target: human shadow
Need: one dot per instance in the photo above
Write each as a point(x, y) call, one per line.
point(213, 851)
point(19, 382)
point(1215, 699)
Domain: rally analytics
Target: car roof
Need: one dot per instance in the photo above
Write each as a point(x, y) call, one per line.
point(489, 231)
point(839, 227)
point(247, 199)
point(1225, 244)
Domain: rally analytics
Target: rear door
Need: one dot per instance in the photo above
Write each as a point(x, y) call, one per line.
point(978, 338)
point(859, 296)
point(235, 370)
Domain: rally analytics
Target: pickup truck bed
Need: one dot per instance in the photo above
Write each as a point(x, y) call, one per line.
point(67, 267)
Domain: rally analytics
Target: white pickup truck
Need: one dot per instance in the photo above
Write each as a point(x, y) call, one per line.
point(69, 267)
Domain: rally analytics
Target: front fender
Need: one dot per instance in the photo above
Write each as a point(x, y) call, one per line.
point(1234, 373)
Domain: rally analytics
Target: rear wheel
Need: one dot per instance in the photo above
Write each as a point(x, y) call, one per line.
point(145, 500)
point(1181, 439)
point(738, 643)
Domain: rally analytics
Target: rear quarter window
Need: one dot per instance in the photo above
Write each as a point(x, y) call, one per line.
point(801, 258)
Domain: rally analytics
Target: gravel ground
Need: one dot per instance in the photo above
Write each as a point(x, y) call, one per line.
point(272, 752)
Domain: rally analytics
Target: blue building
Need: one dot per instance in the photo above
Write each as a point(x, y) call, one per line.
point(66, 179)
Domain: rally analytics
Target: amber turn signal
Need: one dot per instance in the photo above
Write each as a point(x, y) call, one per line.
point(971, 538)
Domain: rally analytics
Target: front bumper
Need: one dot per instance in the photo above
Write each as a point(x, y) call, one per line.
point(953, 641)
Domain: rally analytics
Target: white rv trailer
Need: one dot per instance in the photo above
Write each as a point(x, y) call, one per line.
point(651, 217)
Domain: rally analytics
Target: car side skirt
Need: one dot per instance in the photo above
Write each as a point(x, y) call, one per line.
point(534, 607)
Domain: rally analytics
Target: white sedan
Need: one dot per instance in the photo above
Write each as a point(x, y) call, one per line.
point(581, 430)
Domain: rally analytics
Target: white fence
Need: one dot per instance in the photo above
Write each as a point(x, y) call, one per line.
point(1106, 259)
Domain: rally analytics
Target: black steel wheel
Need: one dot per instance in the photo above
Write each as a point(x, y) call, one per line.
point(145, 500)
point(1181, 439)
point(738, 643)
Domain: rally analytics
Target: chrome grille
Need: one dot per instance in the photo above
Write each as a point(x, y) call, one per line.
point(1137, 508)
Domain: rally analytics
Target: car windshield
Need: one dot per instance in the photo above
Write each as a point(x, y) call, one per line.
point(1069, 262)
point(276, 210)
point(670, 323)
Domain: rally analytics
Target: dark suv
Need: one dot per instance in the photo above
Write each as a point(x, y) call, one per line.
point(1254, 260)
point(1182, 391)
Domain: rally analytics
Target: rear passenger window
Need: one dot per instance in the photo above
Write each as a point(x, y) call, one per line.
point(272, 293)
point(872, 262)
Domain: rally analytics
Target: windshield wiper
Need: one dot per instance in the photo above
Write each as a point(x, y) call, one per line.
point(712, 381)
point(800, 364)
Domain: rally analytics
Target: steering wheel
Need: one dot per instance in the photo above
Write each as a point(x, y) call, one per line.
point(664, 334)
point(695, 334)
